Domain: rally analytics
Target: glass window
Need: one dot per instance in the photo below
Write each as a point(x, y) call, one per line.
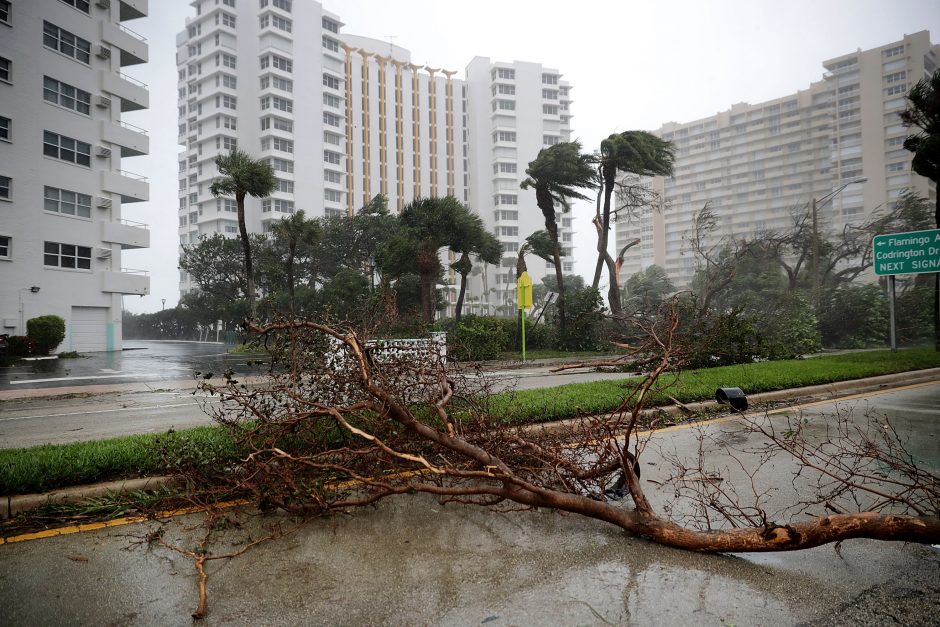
point(66, 96)
point(67, 202)
point(66, 148)
point(60, 255)
point(65, 42)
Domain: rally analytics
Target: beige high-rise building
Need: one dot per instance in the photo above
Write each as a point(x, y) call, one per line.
point(756, 165)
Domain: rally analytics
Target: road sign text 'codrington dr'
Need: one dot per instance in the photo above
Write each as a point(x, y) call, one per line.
point(914, 252)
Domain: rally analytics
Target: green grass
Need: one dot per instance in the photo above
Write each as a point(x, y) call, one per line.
point(47, 467)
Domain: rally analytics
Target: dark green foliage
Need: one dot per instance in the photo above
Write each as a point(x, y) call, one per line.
point(853, 316)
point(21, 346)
point(790, 330)
point(477, 338)
point(585, 308)
point(646, 291)
point(914, 313)
point(45, 332)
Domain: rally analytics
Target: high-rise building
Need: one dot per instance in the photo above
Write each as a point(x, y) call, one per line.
point(342, 118)
point(515, 110)
point(757, 164)
point(62, 185)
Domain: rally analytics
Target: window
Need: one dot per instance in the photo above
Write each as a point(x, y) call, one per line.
point(5, 12)
point(896, 141)
point(285, 186)
point(229, 3)
point(280, 63)
point(332, 176)
point(549, 140)
point(5, 128)
point(332, 157)
point(507, 215)
point(66, 43)
point(550, 109)
point(5, 70)
point(67, 202)
point(332, 195)
point(330, 25)
point(509, 90)
point(81, 5)
point(283, 5)
point(228, 81)
point(507, 168)
point(330, 100)
point(276, 21)
point(66, 96)
point(505, 199)
point(278, 83)
point(225, 143)
point(282, 165)
point(229, 60)
point(896, 89)
point(229, 102)
point(282, 104)
point(331, 118)
point(226, 204)
point(227, 122)
point(550, 94)
point(896, 167)
point(231, 228)
point(6, 184)
point(5, 245)
point(66, 148)
point(894, 52)
point(896, 77)
point(276, 204)
point(504, 136)
point(330, 44)
point(505, 73)
point(504, 105)
point(507, 231)
point(66, 256)
point(330, 81)
point(550, 79)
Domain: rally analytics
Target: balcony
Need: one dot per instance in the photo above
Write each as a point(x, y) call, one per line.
point(133, 9)
point(133, 140)
point(133, 46)
point(133, 94)
point(127, 281)
point(132, 187)
point(129, 235)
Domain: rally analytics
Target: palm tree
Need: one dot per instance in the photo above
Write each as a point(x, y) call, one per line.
point(473, 239)
point(295, 232)
point(923, 112)
point(557, 174)
point(243, 176)
point(634, 152)
point(429, 225)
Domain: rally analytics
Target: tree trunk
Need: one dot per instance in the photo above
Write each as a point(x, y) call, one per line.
point(290, 273)
point(458, 310)
point(546, 203)
point(600, 259)
point(246, 247)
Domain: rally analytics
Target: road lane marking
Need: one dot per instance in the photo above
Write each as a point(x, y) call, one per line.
point(106, 411)
point(94, 376)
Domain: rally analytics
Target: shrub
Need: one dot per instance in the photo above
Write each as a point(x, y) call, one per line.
point(792, 331)
point(477, 338)
point(20, 346)
point(853, 316)
point(46, 332)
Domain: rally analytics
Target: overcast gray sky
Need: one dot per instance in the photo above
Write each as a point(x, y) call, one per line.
point(632, 65)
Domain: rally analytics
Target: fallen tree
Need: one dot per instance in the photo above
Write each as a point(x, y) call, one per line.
point(341, 427)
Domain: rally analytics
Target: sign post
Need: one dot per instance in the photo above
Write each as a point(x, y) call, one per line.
point(913, 252)
point(524, 301)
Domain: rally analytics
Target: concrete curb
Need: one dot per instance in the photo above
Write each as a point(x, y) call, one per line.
point(25, 502)
point(831, 391)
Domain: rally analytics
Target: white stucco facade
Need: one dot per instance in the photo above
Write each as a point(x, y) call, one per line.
point(62, 151)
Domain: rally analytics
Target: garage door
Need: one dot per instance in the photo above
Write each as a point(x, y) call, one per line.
point(88, 329)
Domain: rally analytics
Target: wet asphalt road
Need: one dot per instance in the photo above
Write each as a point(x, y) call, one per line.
point(413, 561)
point(139, 361)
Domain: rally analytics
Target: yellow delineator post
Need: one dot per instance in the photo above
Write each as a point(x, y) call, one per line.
point(524, 300)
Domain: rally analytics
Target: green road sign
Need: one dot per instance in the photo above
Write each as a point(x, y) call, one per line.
point(914, 252)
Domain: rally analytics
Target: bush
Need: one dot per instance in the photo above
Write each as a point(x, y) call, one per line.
point(46, 332)
point(477, 338)
point(20, 346)
point(854, 316)
point(792, 331)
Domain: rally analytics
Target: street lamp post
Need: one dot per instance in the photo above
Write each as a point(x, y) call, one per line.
point(162, 304)
point(815, 249)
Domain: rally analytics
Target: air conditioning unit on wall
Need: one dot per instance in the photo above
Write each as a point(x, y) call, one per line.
point(102, 253)
point(103, 102)
point(102, 51)
point(103, 202)
point(103, 152)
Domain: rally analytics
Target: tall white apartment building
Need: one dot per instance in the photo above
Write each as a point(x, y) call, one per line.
point(757, 164)
point(62, 186)
point(515, 110)
point(343, 117)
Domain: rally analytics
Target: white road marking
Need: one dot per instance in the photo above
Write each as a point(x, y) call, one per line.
point(94, 376)
point(107, 411)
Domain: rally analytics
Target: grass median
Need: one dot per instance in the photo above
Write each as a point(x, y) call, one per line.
point(48, 467)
